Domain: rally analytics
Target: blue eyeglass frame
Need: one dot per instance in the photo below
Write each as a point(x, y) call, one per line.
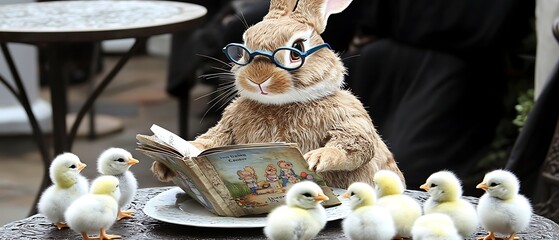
point(270, 55)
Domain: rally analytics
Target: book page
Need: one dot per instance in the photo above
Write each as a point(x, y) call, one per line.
point(258, 178)
point(243, 146)
point(152, 143)
point(183, 146)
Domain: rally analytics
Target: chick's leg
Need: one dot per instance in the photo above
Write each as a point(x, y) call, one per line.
point(104, 236)
point(61, 225)
point(513, 237)
point(85, 237)
point(125, 214)
point(490, 236)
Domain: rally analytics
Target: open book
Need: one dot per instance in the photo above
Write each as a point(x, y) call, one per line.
point(234, 180)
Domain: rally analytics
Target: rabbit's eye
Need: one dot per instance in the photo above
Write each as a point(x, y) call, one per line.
point(299, 45)
point(294, 56)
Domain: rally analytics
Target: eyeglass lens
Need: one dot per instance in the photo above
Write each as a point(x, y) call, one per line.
point(238, 54)
point(287, 58)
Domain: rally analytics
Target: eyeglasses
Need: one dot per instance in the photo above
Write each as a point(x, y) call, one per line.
point(287, 58)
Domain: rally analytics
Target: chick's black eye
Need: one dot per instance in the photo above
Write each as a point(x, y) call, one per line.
point(73, 166)
point(493, 184)
point(351, 193)
point(120, 160)
point(433, 185)
point(307, 194)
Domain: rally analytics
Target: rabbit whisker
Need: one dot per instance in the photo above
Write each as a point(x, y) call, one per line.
point(353, 56)
point(216, 59)
point(215, 74)
point(226, 83)
point(219, 89)
point(222, 69)
point(227, 94)
point(229, 99)
point(221, 96)
point(243, 19)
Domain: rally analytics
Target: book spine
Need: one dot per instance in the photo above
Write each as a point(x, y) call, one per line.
point(219, 186)
point(178, 166)
point(208, 190)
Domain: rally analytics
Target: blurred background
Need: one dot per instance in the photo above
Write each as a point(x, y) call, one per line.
point(136, 99)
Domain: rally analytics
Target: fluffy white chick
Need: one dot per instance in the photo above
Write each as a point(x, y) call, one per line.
point(445, 190)
point(403, 209)
point(435, 226)
point(502, 209)
point(117, 162)
point(302, 217)
point(366, 221)
point(68, 185)
point(96, 211)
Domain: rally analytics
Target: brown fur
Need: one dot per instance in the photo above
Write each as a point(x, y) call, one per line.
point(330, 125)
point(335, 132)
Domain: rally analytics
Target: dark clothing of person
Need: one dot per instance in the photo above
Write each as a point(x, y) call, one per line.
point(434, 80)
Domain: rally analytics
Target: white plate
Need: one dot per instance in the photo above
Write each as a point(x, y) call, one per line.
point(164, 207)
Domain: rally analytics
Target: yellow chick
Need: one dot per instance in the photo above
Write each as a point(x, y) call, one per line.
point(403, 209)
point(446, 197)
point(366, 221)
point(435, 226)
point(502, 209)
point(68, 185)
point(96, 211)
point(117, 162)
point(302, 217)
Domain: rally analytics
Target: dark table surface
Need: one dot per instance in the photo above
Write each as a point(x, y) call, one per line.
point(145, 227)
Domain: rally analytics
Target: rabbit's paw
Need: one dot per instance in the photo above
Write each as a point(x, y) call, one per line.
point(325, 159)
point(162, 172)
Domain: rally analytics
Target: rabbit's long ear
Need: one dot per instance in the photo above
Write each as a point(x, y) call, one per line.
point(316, 12)
point(280, 8)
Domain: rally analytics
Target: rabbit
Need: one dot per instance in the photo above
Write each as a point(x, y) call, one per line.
point(297, 96)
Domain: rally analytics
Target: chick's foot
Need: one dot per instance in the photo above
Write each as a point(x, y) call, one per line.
point(85, 237)
point(104, 236)
point(125, 214)
point(61, 225)
point(513, 237)
point(490, 236)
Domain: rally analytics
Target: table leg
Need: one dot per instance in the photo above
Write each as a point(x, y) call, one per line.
point(99, 89)
point(184, 108)
point(20, 93)
point(93, 71)
point(58, 94)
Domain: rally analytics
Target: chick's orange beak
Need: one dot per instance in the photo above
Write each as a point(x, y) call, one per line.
point(345, 195)
point(132, 161)
point(81, 166)
point(321, 197)
point(482, 186)
point(425, 187)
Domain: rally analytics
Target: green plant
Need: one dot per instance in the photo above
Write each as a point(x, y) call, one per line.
point(524, 106)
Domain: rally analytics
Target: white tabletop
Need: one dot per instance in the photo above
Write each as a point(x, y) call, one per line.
point(69, 17)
